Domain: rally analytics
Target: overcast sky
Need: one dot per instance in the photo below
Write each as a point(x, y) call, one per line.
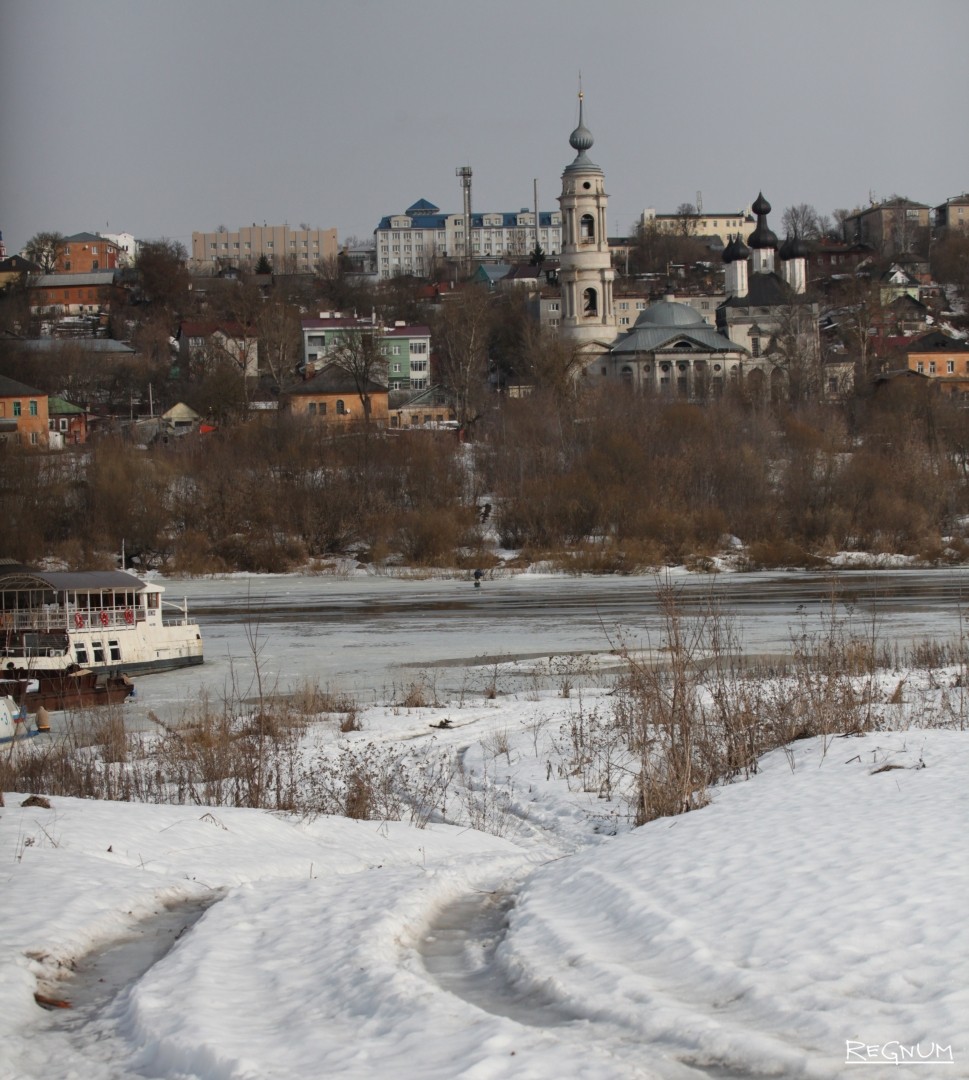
point(160, 118)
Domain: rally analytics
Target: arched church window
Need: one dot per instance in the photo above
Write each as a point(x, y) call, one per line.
point(341, 408)
point(626, 374)
point(590, 302)
point(587, 229)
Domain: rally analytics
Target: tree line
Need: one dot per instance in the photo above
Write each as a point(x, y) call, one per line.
point(606, 482)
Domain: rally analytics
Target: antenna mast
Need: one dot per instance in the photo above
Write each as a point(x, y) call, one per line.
point(463, 172)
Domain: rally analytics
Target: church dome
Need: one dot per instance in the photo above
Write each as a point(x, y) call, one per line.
point(761, 205)
point(735, 251)
point(669, 313)
point(793, 248)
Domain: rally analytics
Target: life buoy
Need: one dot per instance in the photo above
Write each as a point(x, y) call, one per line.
point(79, 620)
point(129, 616)
point(105, 618)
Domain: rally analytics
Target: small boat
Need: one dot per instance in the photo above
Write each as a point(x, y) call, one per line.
point(109, 622)
point(81, 689)
point(13, 721)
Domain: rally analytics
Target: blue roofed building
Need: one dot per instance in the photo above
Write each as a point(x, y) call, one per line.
point(419, 239)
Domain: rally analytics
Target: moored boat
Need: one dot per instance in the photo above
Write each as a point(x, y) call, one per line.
point(13, 721)
point(108, 622)
point(70, 690)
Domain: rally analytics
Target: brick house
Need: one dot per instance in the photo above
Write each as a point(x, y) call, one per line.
point(73, 294)
point(67, 423)
point(23, 413)
point(84, 253)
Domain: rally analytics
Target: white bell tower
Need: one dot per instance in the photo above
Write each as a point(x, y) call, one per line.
point(585, 274)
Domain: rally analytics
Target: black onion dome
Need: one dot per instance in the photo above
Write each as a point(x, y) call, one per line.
point(793, 248)
point(762, 237)
point(730, 252)
point(761, 205)
point(741, 250)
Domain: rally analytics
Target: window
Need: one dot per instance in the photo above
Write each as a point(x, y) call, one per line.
point(395, 368)
point(114, 651)
point(33, 408)
point(553, 306)
point(950, 367)
point(341, 408)
point(920, 367)
point(80, 651)
point(16, 408)
point(418, 346)
point(931, 367)
point(63, 424)
point(98, 650)
point(34, 438)
point(311, 408)
point(755, 346)
point(418, 365)
point(623, 320)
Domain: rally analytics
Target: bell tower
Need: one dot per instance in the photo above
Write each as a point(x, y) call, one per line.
point(585, 274)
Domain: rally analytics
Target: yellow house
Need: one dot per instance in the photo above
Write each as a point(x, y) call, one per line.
point(331, 395)
point(23, 414)
point(943, 359)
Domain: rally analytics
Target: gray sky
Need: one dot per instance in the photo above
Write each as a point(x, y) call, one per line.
point(160, 118)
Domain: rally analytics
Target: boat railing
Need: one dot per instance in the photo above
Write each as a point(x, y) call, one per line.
point(168, 610)
point(57, 617)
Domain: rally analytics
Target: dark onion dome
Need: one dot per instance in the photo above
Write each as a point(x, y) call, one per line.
point(793, 248)
point(735, 251)
point(762, 237)
point(761, 205)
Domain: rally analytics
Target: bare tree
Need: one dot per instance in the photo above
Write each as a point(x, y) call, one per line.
point(163, 276)
point(280, 337)
point(802, 220)
point(461, 334)
point(360, 355)
point(45, 248)
point(552, 362)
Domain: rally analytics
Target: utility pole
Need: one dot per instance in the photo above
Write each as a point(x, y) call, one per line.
point(463, 172)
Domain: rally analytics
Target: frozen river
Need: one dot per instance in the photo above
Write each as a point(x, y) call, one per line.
point(373, 636)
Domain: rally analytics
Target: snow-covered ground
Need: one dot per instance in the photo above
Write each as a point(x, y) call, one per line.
point(808, 920)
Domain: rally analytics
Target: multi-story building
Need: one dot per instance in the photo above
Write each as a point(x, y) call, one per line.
point(126, 244)
point(952, 214)
point(287, 250)
point(415, 241)
point(896, 225)
point(86, 253)
point(697, 223)
point(407, 348)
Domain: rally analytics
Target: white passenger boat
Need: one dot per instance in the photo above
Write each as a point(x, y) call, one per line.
point(106, 621)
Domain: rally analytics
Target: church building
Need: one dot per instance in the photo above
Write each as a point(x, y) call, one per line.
point(765, 332)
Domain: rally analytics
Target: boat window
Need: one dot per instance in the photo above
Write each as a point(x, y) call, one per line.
point(81, 651)
point(114, 650)
point(98, 649)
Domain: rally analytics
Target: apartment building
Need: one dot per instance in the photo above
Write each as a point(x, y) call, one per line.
point(416, 240)
point(288, 250)
point(407, 348)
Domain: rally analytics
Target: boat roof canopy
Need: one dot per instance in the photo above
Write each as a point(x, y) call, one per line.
point(23, 577)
